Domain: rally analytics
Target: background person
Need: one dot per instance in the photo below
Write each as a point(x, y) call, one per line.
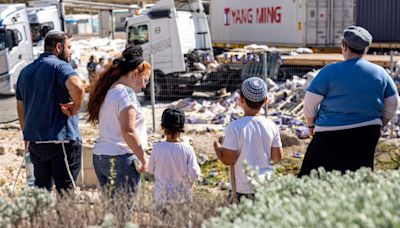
point(100, 67)
point(49, 94)
point(346, 105)
point(91, 68)
point(113, 105)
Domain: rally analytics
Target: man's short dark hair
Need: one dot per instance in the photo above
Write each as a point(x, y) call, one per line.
point(355, 51)
point(252, 104)
point(53, 37)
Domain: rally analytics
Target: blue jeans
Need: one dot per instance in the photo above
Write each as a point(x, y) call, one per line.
point(124, 169)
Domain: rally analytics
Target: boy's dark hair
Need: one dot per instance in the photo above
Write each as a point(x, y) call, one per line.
point(54, 37)
point(252, 104)
point(173, 120)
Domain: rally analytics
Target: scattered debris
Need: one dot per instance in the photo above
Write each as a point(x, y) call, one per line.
point(202, 159)
point(213, 173)
point(302, 132)
point(20, 152)
point(288, 139)
point(297, 155)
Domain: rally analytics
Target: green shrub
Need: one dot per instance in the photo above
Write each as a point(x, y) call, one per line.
point(25, 207)
point(360, 199)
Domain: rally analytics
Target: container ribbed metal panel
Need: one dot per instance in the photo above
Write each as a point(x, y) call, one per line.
point(381, 18)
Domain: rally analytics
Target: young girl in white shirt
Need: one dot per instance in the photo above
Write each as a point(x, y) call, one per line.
point(173, 162)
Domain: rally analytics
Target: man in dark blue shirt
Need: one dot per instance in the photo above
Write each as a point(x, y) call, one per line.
point(49, 94)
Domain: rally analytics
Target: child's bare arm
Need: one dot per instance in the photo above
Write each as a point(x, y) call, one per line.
point(276, 154)
point(227, 156)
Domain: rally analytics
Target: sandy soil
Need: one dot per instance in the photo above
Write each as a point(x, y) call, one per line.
point(13, 148)
point(201, 136)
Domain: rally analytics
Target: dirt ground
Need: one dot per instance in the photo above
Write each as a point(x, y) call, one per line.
point(201, 136)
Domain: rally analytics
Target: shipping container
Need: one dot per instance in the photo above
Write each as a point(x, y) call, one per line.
point(311, 23)
point(381, 18)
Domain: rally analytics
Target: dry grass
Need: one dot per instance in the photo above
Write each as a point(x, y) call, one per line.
point(387, 155)
point(95, 208)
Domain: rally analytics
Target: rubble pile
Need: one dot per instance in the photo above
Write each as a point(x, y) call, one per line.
point(285, 108)
point(250, 53)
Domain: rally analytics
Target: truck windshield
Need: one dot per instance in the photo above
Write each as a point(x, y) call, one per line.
point(35, 30)
point(2, 39)
point(138, 35)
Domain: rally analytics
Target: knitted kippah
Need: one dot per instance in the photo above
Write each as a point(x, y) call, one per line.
point(254, 89)
point(54, 32)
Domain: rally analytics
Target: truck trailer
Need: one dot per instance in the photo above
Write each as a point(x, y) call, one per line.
point(382, 19)
point(300, 23)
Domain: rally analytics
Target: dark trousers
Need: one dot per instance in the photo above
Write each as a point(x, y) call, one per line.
point(342, 150)
point(48, 162)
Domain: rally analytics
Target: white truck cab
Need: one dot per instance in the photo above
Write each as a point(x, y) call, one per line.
point(171, 31)
point(42, 19)
point(15, 45)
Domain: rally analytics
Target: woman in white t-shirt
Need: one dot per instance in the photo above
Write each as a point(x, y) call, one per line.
point(113, 105)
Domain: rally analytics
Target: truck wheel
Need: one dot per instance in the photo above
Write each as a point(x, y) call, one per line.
point(158, 91)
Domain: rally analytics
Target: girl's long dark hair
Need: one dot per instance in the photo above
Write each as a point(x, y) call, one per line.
point(105, 80)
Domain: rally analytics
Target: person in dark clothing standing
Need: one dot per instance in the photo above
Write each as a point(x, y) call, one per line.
point(49, 94)
point(91, 67)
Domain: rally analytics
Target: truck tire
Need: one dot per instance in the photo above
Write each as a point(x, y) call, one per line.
point(159, 92)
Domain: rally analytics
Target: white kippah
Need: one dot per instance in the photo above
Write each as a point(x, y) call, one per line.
point(54, 32)
point(254, 89)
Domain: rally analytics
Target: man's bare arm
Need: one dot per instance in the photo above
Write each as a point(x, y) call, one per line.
point(77, 91)
point(21, 117)
point(21, 114)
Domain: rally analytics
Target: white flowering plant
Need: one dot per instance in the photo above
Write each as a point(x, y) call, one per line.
point(324, 199)
point(21, 209)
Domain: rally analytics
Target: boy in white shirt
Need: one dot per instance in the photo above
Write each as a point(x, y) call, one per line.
point(253, 138)
point(173, 162)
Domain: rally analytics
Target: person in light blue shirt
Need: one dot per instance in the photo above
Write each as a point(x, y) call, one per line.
point(346, 105)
